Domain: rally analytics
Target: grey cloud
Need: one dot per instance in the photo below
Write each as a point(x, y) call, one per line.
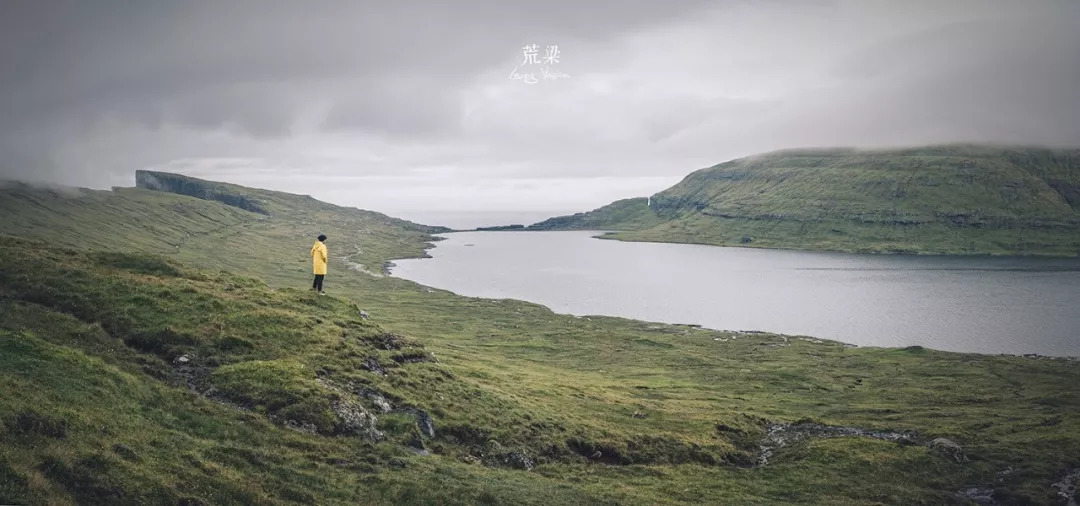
point(412, 90)
point(92, 56)
point(398, 107)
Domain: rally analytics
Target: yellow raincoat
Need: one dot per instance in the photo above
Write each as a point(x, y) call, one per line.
point(318, 257)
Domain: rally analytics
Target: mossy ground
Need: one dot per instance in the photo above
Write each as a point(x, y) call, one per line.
point(98, 408)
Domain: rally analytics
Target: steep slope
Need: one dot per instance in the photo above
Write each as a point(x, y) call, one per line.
point(266, 202)
point(130, 377)
point(944, 199)
point(219, 218)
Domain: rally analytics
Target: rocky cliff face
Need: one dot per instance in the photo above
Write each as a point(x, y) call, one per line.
point(175, 183)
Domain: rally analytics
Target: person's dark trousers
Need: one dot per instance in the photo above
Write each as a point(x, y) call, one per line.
point(317, 284)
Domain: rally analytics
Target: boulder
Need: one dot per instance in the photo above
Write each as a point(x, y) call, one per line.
point(425, 423)
point(354, 420)
point(516, 460)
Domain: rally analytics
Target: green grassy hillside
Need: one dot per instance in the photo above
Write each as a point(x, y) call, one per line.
point(160, 348)
point(945, 199)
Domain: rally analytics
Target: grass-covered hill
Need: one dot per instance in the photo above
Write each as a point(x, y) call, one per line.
point(158, 348)
point(943, 199)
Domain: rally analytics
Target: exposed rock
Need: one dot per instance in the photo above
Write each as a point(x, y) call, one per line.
point(782, 434)
point(377, 399)
point(1066, 487)
point(387, 341)
point(515, 460)
point(978, 495)
point(948, 448)
point(388, 266)
point(495, 455)
point(354, 420)
point(182, 359)
point(198, 188)
point(426, 423)
point(372, 364)
point(423, 421)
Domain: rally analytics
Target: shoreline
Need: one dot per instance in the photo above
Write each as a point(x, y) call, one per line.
point(388, 265)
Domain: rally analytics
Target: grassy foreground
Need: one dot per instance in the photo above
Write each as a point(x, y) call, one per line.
point(934, 200)
point(158, 348)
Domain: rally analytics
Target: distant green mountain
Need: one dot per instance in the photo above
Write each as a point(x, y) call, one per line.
point(958, 199)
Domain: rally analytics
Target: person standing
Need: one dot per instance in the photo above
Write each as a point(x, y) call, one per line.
point(318, 259)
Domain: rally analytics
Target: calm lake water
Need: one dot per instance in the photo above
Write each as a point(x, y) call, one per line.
point(971, 304)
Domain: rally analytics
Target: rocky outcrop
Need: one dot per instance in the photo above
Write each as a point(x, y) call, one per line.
point(354, 420)
point(779, 435)
point(1067, 487)
point(206, 190)
point(495, 455)
point(424, 421)
point(379, 400)
point(372, 364)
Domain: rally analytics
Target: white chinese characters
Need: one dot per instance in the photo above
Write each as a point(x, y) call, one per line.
point(531, 57)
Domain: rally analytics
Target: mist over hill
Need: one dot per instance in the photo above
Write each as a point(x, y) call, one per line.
point(957, 199)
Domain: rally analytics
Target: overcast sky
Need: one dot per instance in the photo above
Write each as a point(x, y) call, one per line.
point(411, 108)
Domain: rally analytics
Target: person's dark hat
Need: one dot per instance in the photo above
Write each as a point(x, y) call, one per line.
point(322, 237)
